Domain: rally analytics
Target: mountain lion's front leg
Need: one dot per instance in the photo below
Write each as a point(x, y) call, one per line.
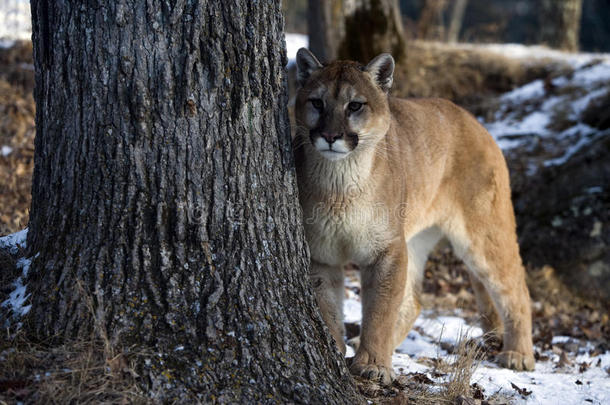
point(327, 282)
point(383, 285)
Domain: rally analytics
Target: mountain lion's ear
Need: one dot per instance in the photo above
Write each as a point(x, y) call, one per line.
point(382, 70)
point(306, 65)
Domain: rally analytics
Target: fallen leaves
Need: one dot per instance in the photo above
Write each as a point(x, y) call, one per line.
point(564, 361)
point(584, 366)
point(522, 391)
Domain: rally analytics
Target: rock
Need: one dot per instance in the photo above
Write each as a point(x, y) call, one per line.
point(563, 215)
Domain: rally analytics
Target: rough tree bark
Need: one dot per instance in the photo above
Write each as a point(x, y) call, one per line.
point(355, 29)
point(560, 23)
point(164, 212)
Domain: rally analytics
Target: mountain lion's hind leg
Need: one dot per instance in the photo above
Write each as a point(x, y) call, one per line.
point(327, 282)
point(490, 319)
point(489, 249)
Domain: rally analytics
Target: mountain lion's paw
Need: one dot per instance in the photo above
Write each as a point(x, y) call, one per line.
point(516, 361)
point(372, 371)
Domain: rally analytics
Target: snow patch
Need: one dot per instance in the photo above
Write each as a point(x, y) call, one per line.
point(550, 114)
point(16, 301)
point(536, 53)
point(294, 42)
point(6, 150)
point(14, 242)
point(526, 92)
point(547, 384)
point(404, 363)
point(352, 311)
point(446, 329)
point(572, 150)
point(15, 21)
point(598, 72)
point(17, 298)
point(416, 345)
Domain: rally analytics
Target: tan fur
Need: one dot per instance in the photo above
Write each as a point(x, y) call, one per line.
point(422, 169)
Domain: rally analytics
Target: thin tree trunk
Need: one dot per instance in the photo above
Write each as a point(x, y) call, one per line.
point(560, 23)
point(457, 17)
point(164, 203)
point(326, 26)
point(431, 25)
point(355, 29)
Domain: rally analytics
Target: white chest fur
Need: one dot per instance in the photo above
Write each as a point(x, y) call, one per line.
point(343, 221)
point(346, 234)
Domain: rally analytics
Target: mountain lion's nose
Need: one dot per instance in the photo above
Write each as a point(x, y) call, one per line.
point(331, 137)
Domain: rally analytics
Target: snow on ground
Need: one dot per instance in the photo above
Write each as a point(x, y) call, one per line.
point(5, 150)
point(293, 43)
point(15, 21)
point(551, 112)
point(535, 53)
point(547, 383)
point(15, 241)
point(16, 302)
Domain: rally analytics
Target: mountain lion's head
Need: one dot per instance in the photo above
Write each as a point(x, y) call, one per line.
point(342, 107)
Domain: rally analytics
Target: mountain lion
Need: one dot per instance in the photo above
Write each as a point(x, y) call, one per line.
point(381, 180)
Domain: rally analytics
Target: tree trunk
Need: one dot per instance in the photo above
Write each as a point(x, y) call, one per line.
point(164, 204)
point(326, 25)
point(355, 29)
point(457, 17)
point(431, 26)
point(560, 23)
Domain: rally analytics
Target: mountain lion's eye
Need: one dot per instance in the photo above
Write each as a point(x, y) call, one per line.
point(317, 103)
point(354, 106)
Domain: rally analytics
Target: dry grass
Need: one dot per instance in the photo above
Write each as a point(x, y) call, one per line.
point(468, 356)
point(454, 386)
point(17, 129)
point(85, 371)
point(466, 76)
point(457, 374)
point(76, 372)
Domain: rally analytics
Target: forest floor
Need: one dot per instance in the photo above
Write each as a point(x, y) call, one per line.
point(446, 358)
point(531, 100)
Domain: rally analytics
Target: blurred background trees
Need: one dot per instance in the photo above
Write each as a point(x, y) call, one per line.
point(560, 23)
point(355, 29)
point(431, 25)
point(563, 24)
